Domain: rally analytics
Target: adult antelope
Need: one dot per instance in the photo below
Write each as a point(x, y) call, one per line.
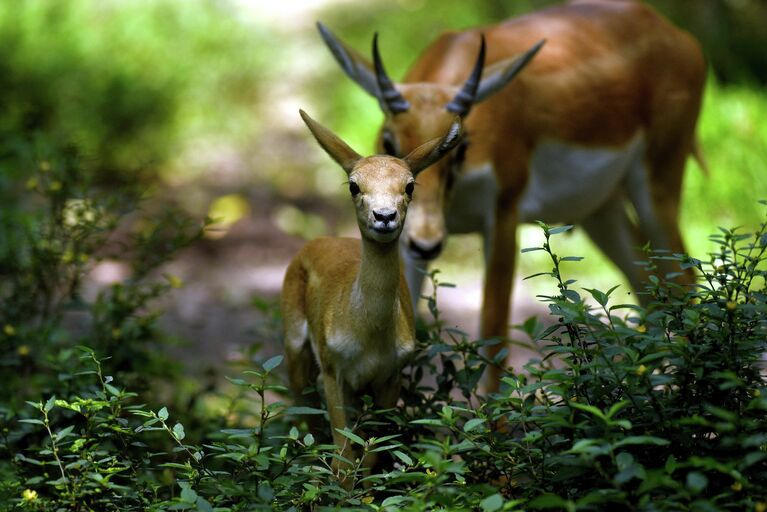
point(346, 309)
point(595, 131)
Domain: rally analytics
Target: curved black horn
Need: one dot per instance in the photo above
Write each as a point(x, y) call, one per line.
point(462, 102)
point(391, 100)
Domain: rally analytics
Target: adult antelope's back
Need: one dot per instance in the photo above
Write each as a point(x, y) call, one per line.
point(599, 124)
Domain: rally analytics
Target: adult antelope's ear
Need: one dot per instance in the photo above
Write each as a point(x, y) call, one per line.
point(332, 144)
point(357, 67)
point(430, 152)
point(501, 73)
point(371, 77)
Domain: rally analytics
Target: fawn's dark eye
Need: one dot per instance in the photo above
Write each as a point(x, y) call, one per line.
point(354, 188)
point(409, 189)
point(389, 146)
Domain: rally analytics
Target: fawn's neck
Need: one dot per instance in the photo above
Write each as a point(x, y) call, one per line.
point(374, 295)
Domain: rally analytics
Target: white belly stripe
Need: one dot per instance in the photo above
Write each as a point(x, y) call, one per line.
point(567, 183)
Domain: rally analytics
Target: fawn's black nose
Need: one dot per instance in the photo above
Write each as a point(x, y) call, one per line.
point(385, 214)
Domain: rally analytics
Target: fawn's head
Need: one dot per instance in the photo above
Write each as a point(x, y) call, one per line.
point(382, 186)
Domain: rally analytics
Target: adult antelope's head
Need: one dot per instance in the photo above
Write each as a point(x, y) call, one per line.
point(382, 186)
point(418, 112)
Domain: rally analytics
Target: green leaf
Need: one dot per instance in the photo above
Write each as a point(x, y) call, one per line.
point(203, 505)
point(351, 436)
point(536, 275)
point(598, 295)
point(671, 464)
point(403, 457)
point(308, 439)
point(272, 363)
point(187, 493)
point(696, 481)
point(616, 407)
point(178, 431)
point(548, 501)
point(300, 410)
point(112, 390)
point(64, 432)
point(472, 424)
point(492, 503)
point(163, 413)
point(428, 421)
point(293, 433)
point(392, 501)
point(531, 249)
point(633, 440)
point(49, 404)
point(560, 229)
point(589, 408)
point(32, 421)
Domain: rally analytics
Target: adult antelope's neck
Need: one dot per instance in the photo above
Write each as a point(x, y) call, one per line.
point(375, 289)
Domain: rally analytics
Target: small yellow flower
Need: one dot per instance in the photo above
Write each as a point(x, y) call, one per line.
point(55, 186)
point(731, 304)
point(175, 281)
point(32, 183)
point(757, 393)
point(431, 473)
point(116, 332)
point(9, 330)
point(29, 495)
point(45, 166)
point(760, 506)
point(641, 328)
point(23, 350)
point(641, 370)
point(367, 500)
point(737, 486)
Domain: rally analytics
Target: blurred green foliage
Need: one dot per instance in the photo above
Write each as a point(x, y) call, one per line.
point(127, 83)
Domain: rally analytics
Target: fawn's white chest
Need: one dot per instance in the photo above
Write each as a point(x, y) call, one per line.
point(360, 362)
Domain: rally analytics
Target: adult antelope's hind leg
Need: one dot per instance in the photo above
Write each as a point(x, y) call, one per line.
point(496, 298)
point(657, 195)
point(415, 273)
point(611, 230)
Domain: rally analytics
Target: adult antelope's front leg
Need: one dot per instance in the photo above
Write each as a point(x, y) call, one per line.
point(497, 288)
point(415, 270)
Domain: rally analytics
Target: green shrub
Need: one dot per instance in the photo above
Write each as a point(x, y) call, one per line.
point(655, 408)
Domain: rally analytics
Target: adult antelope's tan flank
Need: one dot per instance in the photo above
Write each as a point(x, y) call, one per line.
point(346, 308)
point(596, 130)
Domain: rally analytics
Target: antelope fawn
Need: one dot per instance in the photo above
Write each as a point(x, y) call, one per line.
point(347, 315)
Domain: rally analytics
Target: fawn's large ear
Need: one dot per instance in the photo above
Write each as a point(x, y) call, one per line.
point(428, 153)
point(332, 144)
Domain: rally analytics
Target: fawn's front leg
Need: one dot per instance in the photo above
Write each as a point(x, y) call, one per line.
point(334, 396)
